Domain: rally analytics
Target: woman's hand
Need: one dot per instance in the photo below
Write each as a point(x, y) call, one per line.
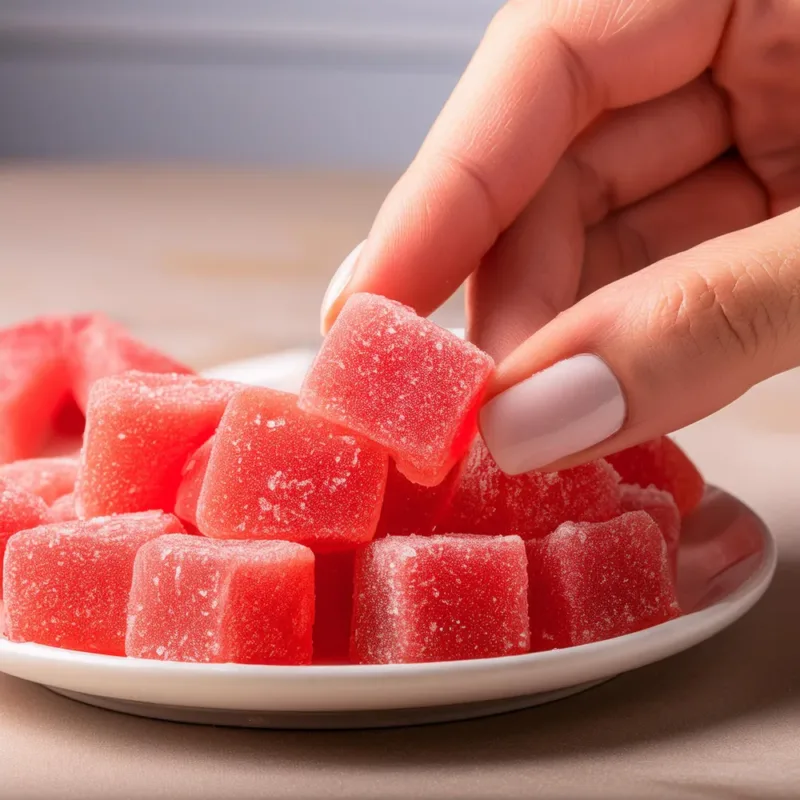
point(619, 179)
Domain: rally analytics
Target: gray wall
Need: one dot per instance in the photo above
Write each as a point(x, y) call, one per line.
point(330, 83)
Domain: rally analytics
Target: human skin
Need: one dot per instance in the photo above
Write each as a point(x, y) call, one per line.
point(617, 179)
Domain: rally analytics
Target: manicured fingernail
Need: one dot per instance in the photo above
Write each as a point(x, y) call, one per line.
point(338, 283)
point(559, 411)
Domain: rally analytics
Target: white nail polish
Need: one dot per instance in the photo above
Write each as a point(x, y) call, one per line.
point(340, 279)
point(559, 411)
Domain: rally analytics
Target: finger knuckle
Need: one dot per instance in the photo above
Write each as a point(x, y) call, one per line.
point(741, 309)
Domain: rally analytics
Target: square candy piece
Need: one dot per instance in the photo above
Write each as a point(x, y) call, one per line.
point(34, 383)
point(409, 508)
point(276, 472)
point(440, 598)
point(100, 348)
point(140, 430)
point(192, 477)
point(661, 463)
point(404, 382)
point(532, 505)
point(662, 508)
point(49, 478)
point(67, 585)
point(334, 606)
point(200, 600)
point(19, 511)
point(595, 581)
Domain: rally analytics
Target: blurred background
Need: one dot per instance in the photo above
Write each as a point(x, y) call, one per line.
point(198, 168)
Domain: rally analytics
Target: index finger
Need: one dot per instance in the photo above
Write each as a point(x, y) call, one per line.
point(543, 71)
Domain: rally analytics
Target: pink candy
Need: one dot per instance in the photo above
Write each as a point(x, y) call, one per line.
point(440, 598)
point(67, 585)
point(276, 472)
point(140, 430)
point(49, 478)
point(399, 379)
point(532, 505)
point(195, 599)
point(595, 581)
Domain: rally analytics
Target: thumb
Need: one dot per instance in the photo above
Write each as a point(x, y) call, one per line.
point(652, 352)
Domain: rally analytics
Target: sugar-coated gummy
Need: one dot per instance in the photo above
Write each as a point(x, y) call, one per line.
point(440, 598)
point(101, 348)
point(334, 606)
point(662, 463)
point(276, 472)
point(49, 478)
point(404, 382)
point(192, 476)
point(661, 506)
point(34, 383)
point(409, 508)
point(210, 601)
point(596, 581)
point(140, 429)
point(531, 505)
point(67, 585)
point(19, 511)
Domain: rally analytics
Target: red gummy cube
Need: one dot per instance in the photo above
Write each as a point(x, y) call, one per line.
point(63, 510)
point(34, 383)
point(49, 478)
point(140, 430)
point(404, 382)
point(101, 348)
point(532, 505)
point(192, 477)
point(409, 508)
point(67, 585)
point(595, 581)
point(334, 606)
point(661, 463)
point(19, 511)
point(662, 508)
point(276, 472)
point(201, 600)
point(440, 598)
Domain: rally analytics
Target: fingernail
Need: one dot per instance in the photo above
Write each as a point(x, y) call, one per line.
point(338, 283)
point(559, 411)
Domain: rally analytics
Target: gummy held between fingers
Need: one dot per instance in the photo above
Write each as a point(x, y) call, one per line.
point(412, 387)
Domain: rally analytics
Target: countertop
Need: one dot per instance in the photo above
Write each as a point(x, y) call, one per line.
point(217, 265)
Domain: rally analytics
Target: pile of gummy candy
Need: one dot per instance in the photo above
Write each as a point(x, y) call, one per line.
point(362, 521)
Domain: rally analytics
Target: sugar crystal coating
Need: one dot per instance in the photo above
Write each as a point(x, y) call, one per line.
point(34, 383)
point(334, 606)
point(531, 505)
point(192, 476)
point(66, 585)
point(19, 511)
point(63, 510)
point(411, 508)
point(210, 601)
point(440, 598)
point(661, 463)
point(140, 429)
point(662, 508)
point(49, 478)
point(595, 581)
point(276, 472)
point(101, 348)
point(404, 382)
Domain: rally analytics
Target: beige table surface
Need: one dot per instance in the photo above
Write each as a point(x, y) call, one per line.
point(214, 266)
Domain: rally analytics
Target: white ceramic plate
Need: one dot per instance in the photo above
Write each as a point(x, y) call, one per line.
point(726, 562)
